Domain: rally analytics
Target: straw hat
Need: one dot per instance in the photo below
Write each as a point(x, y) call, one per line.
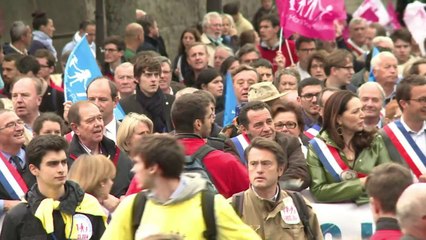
point(263, 91)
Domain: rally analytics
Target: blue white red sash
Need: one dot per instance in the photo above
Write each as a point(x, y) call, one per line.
point(407, 147)
point(313, 131)
point(331, 159)
point(11, 180)
point(241, 142)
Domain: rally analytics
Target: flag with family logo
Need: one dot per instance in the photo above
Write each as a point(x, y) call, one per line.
point(310, 18)
point(373, 11)
point(80, 69)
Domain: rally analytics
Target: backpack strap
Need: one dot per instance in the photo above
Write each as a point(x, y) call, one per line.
point(201, 154)
point(137, 210)
point(203, 151)
point(238, 203)
point(302, 209)
point(216, 142)
point(207, 206)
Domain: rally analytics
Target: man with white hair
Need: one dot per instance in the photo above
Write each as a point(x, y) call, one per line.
point(212, 32)
point(124, 80)
point(383, 42)
point(372, 96)
point(384, 66)
point(411, 212)
point(220, 54)
point(357, 37)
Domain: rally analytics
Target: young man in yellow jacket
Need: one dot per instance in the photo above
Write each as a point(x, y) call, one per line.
point(174, 201)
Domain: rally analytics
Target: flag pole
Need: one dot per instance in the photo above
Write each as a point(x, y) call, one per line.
point(281, 39)
point(289, 52)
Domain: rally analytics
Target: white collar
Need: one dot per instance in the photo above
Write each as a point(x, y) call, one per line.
point(274, 198)
point(111, 129)
point(409, 130)
point(19, 51)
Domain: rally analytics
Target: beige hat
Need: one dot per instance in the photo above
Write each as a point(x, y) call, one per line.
point(263, 91)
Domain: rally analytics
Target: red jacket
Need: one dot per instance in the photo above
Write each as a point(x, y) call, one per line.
point(229, 175)
point(387, 229)
point(270, 54)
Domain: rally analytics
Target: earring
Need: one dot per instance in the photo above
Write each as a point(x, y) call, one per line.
point(339, 130)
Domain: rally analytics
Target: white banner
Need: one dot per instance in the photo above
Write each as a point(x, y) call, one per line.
point(343, 220)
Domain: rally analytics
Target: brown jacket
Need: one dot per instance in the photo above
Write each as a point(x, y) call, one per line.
point(297, 168)
point(265, 217)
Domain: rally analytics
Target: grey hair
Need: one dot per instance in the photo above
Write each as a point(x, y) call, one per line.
point(372, 84)
point(17, 30)
point(208, 17)
point(356, 20)
point(228, 49)
point(410, 206)
point(384, 39)
point(163, 59)
point(377, 60)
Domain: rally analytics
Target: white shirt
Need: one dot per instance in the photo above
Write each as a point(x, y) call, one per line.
point(418, 137)
point(111, 130)
point(303, 74)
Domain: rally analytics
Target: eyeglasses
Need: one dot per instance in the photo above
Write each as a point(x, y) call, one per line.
point(310, 96)
point(13, 124)
point(108, 50)
point(288, 125)
point(419, 100)
point(216, 25)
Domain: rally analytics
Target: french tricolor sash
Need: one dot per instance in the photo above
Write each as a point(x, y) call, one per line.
point(11, 180)
point(406, 146)
point(241, 142)
point(313, 131)
point(331, 159)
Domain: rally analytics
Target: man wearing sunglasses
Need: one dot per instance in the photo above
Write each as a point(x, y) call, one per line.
point(16, 179)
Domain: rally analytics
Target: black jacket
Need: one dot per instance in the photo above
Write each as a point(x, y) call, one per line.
point(120, 159)
point(7, 49)
point(20, 222)
point(52, 101)
point(154, 44)
point(131, 104)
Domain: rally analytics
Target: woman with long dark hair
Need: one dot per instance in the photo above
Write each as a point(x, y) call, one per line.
point(180, 65)
point(343, 153)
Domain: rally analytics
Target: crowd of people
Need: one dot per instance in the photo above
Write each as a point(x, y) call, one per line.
point(340, 121)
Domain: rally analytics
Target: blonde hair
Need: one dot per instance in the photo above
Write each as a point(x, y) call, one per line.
point(89, 171)
point(127, 128)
